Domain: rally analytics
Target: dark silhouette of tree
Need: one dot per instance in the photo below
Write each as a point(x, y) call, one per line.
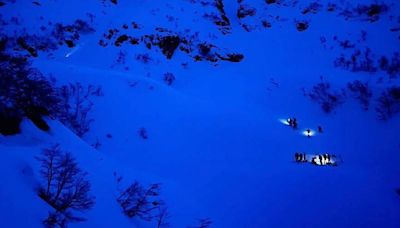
point(24, 92)
point(75, 106)
point(65, 186)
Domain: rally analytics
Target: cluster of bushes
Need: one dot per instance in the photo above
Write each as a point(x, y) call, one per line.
point(26, 93)
point(75, 105)
point(361, 91)
point(364, 60)
point(360, 60)
point(144, 203)
point(371, 12)
point(67, 190)
point(138, 201)
point(387, 104)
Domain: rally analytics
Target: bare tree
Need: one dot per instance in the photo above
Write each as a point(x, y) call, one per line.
point(139, 201)
point(75, 105)
point(66, 188)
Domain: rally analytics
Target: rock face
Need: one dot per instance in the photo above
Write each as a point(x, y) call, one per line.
point(168, 45)
point(169, 42)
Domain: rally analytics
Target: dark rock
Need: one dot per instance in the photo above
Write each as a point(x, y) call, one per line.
point(35, 115)
point(271, 1)
point(9, 122)
point(302, 26)
point(232, 57)
point(121, 39)
point(134, 41)
point(168, 45)
point(70, 43)
point(266, 24)
point(205, 48)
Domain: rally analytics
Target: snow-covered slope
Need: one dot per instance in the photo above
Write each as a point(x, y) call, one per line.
point(215, 141)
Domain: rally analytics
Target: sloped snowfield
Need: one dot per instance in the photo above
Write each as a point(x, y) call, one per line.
point(211, 133)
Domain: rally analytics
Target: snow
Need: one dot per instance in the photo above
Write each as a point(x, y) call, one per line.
point(215, 141)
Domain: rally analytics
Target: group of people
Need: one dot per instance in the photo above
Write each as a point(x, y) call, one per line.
point(323, 159)
point(300, 157)
point(292, 122)
point(320, 159)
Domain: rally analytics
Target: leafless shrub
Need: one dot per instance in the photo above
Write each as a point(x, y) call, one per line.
point(388, 103)
point(360, 60)
point(323, 95)
point(169, 78)
point(75, 106)
point(143, 133)
point(65, 186)
point(143, 58)
point(138, 201)
point(392, 66)
point(361, 92)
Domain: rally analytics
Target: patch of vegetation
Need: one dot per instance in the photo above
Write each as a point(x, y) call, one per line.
point(371, 12)
point(388, 103)
point(390, 66)
point(327, 98)
point(24, 92)
point(140, 202)
point(359, 61)
point(75, 105)
point(361, 92)
point(302, 25)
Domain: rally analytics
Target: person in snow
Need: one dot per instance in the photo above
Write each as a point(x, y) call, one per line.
point(308, 132)
point(299, 157)
point(292, 122)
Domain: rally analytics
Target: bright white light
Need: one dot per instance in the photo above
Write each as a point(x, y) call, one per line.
point(284, 121)
point(72, 51)
point(308, 133)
